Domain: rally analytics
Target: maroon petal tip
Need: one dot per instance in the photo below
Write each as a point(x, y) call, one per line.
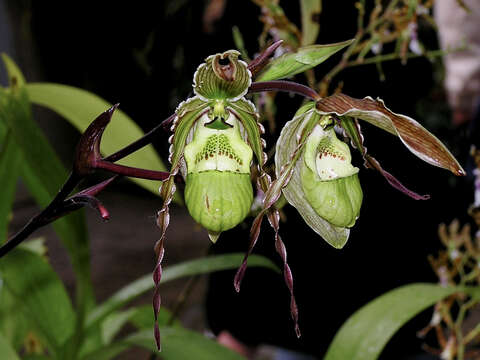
point(88, 148)
point(237, 281)
point(260, 61)
point(156, 332)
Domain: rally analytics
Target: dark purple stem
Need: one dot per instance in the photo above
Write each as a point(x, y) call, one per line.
point(50, 213)
point(392, 180)
point(131, 171)
point(143, 141)
point(60, 207)
point(87, 159)
point(286, 86)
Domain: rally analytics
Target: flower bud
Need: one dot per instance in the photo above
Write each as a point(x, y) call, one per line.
point(329, 180)
point(218, 191)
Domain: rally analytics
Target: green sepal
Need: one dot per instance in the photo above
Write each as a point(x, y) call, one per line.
point(246, 113)
point(222, 76)
point(188, 113)
point(218, 200)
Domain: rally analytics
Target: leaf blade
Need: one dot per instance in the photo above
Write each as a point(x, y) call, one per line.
point(364, 335)
point(44, 174)
point(310, 10)
point(80, 107)
point(15, 76)
point(7, 352)
point(303, 59)
point(41, 294)
point(9, 172)
point(178, 343)
point(188, 268)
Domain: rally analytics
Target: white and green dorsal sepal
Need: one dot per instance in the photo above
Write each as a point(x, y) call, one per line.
point(218, 191)
point(329, 180)
point(222, 76)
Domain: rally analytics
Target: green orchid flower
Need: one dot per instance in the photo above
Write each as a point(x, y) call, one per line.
point(216, 134)
point(314, 170)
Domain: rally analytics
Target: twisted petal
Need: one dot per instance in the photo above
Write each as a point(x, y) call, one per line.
point(415, 137)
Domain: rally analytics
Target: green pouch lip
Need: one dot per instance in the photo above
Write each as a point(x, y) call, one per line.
point(218, 200)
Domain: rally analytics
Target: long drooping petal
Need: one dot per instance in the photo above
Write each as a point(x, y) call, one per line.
point(415, 137)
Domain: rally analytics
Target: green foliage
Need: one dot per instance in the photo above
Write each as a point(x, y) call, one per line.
point(311, 10)
point(9, 172)
point(188, 268)
point(299, 61)
point(34, 303)
point(79, 107)
point(364, 335)
point(43, 173)
point(41, 296)
point(7, 352)
point(180, 344)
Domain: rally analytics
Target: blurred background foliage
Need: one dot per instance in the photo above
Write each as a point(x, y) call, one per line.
point(143, 56)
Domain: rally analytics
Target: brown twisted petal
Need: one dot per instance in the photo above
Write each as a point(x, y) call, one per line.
point(415, 137)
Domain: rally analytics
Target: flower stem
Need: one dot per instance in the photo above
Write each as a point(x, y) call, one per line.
point(287, 86)
point(143, 141)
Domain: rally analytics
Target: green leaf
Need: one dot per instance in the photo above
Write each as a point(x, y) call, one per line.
point(114, 323)
point(143, 319)
point(303, 59)
point(177, 344)
point(364, 335)
point(15, 324)
point(40, 294)
point(6, 350)
point(239, 43)
point(44, 175)
point(81, 107)
point(35, 245)
point(9, 172)
point(188, 268)
point(15, 76)
point(311, 10)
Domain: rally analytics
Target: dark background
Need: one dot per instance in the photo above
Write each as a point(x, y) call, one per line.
point(144, 54)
